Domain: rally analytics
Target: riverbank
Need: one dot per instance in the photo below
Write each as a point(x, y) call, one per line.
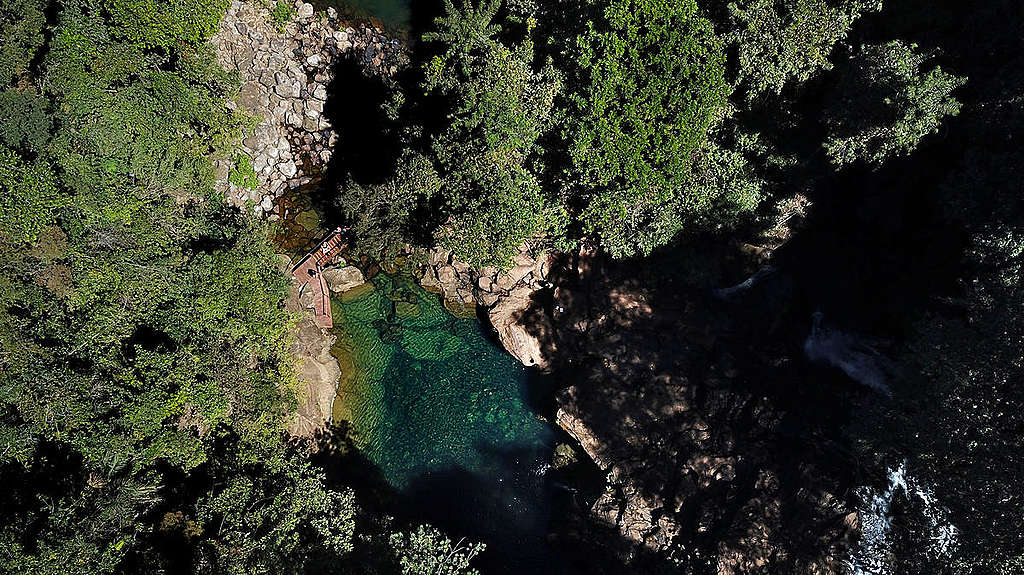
point(285, 76)
point(654, 397)
point(285, 73)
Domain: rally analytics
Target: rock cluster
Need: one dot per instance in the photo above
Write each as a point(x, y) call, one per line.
point(285, 78)
point(343, 279)
point(510, 298)
point(693, 418)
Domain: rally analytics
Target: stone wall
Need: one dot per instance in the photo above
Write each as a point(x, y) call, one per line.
point(285, 77)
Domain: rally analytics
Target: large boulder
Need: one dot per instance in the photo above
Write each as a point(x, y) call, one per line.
point(340, 280)
point(524, 331)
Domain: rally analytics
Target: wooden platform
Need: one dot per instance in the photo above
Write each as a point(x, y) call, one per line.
point(307, 273)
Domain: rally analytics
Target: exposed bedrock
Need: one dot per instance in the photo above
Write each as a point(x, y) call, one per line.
point(285, 76)
point(716, 460)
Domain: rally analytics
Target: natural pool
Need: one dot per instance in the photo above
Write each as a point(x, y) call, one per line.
point(445, 415)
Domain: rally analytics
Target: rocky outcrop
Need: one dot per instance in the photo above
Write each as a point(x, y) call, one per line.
point(694, 421)
point(523, 338)
point(510, 297)
point(317, 369)
point(343, 279)
point(285, 77)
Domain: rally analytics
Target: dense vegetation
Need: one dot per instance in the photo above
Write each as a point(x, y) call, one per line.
point(614, 122)
point(145, 382)
point(144, 379)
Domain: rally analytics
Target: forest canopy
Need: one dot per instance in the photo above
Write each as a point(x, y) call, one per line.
point(145, 380)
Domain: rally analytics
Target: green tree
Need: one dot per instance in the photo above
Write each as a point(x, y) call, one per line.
point(498, 107)
point(886, 104)
point(381, 215)
point(165, 23)
point(788, 41)
point(29, 197)
point(25, 124)
point(22, 23)
point(649, 87)
point(143, 338)
point(271, 519)
point(426, 551)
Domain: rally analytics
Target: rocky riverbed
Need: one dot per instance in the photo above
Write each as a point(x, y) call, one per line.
point(700, 465)
point(285, 76)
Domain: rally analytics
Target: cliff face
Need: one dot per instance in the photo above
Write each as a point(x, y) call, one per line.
point(717, 459)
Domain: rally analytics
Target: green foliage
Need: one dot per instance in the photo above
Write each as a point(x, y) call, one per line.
point(282, 13)
point(427, 551)
point(142, 332)
point(26, 124)
point(382, 215)
point(242, 173)
point(498, 108)
point(165, 24)
point(788, 41)
point(886, 104)
point(28, 197)
point(649, 87)
point(273, 519)
point(21, 28)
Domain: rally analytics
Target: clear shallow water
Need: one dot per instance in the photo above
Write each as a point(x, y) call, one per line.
point(393, 15)
point(445, 415)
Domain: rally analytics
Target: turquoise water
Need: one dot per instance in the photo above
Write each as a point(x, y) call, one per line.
point(445, 416)
point(394, 15)
point(427, 392)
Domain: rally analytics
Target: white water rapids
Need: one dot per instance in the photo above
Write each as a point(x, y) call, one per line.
point(874, 554)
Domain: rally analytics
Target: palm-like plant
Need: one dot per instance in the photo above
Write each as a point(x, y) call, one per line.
point(467, 26)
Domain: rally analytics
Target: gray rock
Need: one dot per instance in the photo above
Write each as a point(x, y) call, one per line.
point(288, 168)
point(286, 90)
point(313, 60)
point(250, 96)
point(305, 10)
point(320, 92)
point(343, 279)
point(267, 204)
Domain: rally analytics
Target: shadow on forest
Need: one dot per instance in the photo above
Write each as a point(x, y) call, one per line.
point(709, 401)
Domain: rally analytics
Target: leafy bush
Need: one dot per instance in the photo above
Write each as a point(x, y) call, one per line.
point(282, 13)
point(242, 173)
point(886, 104)
point(779, 42)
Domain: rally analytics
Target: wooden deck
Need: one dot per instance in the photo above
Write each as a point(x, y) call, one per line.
point(307, 273)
